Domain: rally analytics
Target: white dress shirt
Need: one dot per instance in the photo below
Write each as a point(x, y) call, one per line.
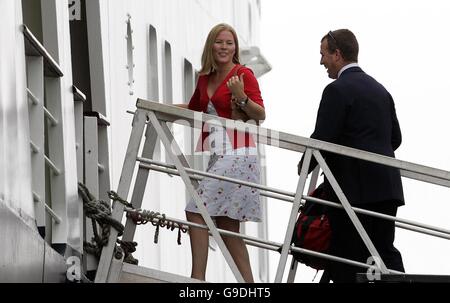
point(354, 64)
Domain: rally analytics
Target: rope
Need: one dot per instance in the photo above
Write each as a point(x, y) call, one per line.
point(128, 248)
point(140, 217)
point(115, 197)
point(156, 219)
point(100, 213)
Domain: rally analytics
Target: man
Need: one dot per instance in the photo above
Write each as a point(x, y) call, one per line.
point(358, 112)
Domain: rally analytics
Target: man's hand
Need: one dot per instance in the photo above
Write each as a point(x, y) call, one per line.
point(299, 166)
point(312, 165)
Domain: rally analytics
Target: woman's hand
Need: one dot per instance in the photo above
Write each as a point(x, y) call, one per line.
point(236, 86)
point(248, 110)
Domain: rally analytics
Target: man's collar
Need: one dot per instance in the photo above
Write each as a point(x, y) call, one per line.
point(354, 64)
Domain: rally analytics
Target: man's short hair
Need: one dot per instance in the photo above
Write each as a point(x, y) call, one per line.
point(345, 41)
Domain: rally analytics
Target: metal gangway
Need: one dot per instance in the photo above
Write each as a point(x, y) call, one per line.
point(151, 118)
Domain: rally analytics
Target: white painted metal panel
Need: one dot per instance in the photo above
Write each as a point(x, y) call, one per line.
point(22, 259)
point(90, 180)
point(15, 167)
point(184, 25)
point(79, 145)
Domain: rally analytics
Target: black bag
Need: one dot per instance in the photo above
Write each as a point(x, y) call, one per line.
point(312, 231)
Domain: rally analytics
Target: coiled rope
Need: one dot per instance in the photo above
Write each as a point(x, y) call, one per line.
point(99, 212)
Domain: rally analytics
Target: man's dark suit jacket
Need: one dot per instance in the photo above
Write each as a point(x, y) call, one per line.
point(358, 112)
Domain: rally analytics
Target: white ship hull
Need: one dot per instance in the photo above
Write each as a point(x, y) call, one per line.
point(113, 52)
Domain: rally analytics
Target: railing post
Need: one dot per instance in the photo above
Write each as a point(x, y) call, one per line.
point(293, 216)
point(141, 181)
point(139, 122)
point(350, 212)
point(312, 186)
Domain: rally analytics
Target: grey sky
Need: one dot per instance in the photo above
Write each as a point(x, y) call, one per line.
point(403, 44)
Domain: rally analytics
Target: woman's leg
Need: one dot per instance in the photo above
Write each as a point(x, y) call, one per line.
point(237, 247)
point(199, 246)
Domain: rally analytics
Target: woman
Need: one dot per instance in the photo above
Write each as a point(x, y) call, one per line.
point(230, 90)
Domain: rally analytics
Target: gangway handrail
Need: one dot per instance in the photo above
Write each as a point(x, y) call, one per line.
point(254, 241)
point(155, 114)
point(441, 232)
point(266, 136)
point(174, 114)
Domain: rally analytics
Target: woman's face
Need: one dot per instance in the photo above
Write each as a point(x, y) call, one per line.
point(224, 47)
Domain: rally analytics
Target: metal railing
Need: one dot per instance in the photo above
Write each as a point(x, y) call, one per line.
point(155, 117)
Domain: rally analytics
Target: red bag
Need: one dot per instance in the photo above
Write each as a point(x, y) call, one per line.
point(312, 231)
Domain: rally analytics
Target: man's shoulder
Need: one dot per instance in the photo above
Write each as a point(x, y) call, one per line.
point(359, 83)
point(334, 91)
point(337, 84)
point(355, 76)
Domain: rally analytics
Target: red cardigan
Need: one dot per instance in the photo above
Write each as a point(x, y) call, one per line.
point(222, 102)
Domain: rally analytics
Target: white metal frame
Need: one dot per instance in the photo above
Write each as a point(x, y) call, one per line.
point(139, 121)
point(141, 181)
point(159, 114)
point(293, 216)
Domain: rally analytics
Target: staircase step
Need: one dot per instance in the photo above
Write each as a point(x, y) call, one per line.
point(139, 274)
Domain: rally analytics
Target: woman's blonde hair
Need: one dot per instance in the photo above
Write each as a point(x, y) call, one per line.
point(208, 63)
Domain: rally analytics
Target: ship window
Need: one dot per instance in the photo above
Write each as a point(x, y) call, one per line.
point(153, 91)
point(188, 90)
point(167, 84)
point(188, 81)
point(190, 134)
point(167, 74)
point(153, 78)
point(130, 49)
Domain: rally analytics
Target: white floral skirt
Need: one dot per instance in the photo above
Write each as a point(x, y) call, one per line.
point(223, 198)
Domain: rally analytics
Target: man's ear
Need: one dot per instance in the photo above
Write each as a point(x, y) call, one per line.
point(338, 55)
